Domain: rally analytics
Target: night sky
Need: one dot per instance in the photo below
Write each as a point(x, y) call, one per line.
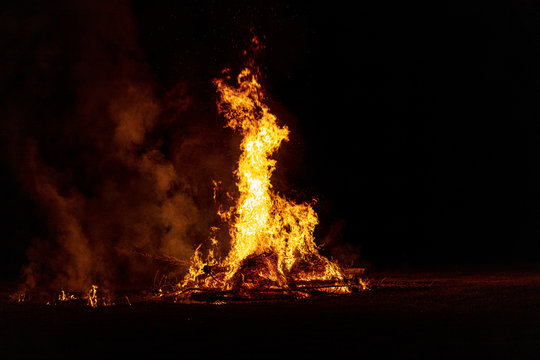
point(414, 125)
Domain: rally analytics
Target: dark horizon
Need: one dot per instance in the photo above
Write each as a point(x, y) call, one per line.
point(414, 125)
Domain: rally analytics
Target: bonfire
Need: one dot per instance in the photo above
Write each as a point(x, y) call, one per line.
point(273, 249)
point(272, 252)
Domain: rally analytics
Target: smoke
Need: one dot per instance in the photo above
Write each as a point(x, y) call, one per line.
point(115, 162)
point(345, 253)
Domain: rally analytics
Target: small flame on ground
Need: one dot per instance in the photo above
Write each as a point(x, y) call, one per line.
point(92, 296)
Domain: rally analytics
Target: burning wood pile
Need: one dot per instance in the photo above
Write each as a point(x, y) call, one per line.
point(273, 248)
point(259, 278)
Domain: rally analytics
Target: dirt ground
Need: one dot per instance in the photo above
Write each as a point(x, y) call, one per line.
point(421, 314)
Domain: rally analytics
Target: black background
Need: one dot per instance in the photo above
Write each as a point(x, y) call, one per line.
point(416, 122)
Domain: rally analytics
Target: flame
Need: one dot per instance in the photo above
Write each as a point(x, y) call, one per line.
point(265, 228)
point(63, 296)
point(92, 296)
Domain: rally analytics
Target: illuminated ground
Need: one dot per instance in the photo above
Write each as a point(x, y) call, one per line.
point(435, 315)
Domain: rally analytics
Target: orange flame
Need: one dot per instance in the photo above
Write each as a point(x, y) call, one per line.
point(92, 296)
point(262, 221)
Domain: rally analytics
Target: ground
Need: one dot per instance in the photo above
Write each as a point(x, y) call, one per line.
point(478, 313)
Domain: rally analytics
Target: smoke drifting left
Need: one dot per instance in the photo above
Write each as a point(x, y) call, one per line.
point(113, 160)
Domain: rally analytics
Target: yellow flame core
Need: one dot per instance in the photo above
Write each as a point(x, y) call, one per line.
point(252, 231)
point(263, 221)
